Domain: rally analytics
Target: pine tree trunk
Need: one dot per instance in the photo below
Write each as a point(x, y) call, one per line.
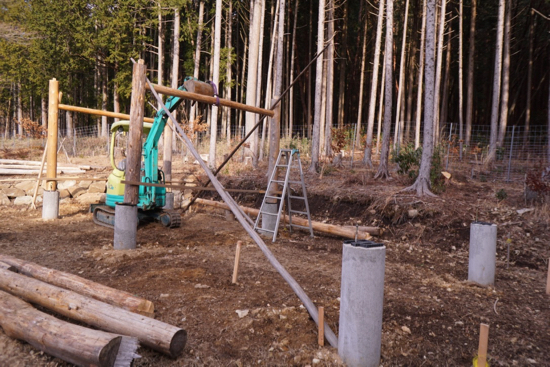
point(422, 183)
point(388, 95)
point(291, 78)
point(104, 96)
point(228, 71)
point(160, 71)
point(532, 26)
point(44, 110)
point(315, 141)
point(496, 83)
point(330, 81)
point(361, 85)
point(446, 81)
point(398, 139)
point(342, 86)
point(460, 77)
point(260, 80)
point(252, 77)
point(505, 77)
point(367, 159)
point(380, 110)
point(420, 79)
point(197, 61)
point(19, 111)
point(216, 81)
point(168, 134)
point(470, 77)
point(437, 89)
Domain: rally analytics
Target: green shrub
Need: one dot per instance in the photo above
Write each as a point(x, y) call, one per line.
point(408, 160)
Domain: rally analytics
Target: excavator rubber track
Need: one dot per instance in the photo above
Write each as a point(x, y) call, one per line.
point(105, 216)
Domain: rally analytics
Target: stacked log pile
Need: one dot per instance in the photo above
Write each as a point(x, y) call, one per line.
point(23, 167)
point(123, 319)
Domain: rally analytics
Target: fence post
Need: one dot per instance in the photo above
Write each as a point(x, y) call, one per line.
point(510, 156)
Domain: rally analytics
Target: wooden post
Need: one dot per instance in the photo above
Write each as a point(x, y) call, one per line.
point(39, 176)
point(321, 333)
point(53, 115)
point(548, 279)
point(483, 342)
point(237, 259)
point(137, 110)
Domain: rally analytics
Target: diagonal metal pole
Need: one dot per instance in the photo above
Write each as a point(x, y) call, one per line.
point(310, 306)
point(255, 127)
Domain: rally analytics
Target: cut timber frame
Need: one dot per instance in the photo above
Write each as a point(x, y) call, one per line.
point(155, 334)
point(363, 233)
point(80, 285)
point(71, 343)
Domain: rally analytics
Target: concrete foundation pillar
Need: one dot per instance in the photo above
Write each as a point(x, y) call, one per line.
point(169, 201)
point(126, 221)
point(50, 205)
point(483, 247)
point(269, 221)
point(361, 303)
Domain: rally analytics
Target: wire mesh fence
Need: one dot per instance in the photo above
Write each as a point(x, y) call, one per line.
point(521, 151)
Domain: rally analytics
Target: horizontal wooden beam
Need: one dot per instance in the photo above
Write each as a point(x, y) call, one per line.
point(91, 111)
point(210, 100)
point(185, 187)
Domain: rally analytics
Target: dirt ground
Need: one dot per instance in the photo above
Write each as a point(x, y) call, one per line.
point(431, 315)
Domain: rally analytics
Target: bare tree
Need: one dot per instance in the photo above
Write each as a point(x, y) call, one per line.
point(168, 134)
point(460, 76)
point(470, 81)
point(420, 78)
point(532, 26)
point(342, 84)
point(388, 60)
point(496, 82)
point(505, 77)
point(252, 76)
point(216, 82)
point(422, 183)
point(318, 88)
point(329, 80)
point(361, 86)
point(197, 60)
point(398, 139)
point(291, 77)
point(228, 71)
point(367, 158)
point(438, 68)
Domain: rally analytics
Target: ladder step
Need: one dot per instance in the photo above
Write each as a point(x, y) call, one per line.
point(299, 226)
point(298, 212)
point(282, 165)
point(265, 230)
point(297, 197)
point(278, 181)
point(272, 197)
point(274, 214)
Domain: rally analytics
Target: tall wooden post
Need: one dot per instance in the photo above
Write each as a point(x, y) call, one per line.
point(137, 110)
point(53, 114)
point(126, 219)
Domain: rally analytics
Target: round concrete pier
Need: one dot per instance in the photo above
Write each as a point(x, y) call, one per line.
point(361, 303)
point(126, 221)
point(50, 205)
point(483, 247)
point(169, 202)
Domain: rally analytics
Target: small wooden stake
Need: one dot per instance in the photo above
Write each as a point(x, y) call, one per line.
point(321, 333)
point(548, 279)
point(237, 258)
point(483, 341)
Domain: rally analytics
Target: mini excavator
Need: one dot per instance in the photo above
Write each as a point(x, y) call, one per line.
point(152, 199)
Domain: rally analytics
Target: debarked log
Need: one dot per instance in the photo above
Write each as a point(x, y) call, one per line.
point(158, 335)
point(71, 343)
point(81, 285)
point(363, 233)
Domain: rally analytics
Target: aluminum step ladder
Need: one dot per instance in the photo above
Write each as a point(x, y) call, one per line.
point(288, 173)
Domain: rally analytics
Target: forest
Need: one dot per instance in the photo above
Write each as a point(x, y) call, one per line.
point(489, 64)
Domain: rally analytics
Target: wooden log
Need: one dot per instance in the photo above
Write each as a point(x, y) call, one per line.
point(210, 100)
point(53, 115)
point(81, 285)
point(5, 266)
point(39, 163)
point(4, 171)
point(137, 108)
point(71, 343)
point(91, 111)
point(155, 334)
point(364, 233)
point(196, 86)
